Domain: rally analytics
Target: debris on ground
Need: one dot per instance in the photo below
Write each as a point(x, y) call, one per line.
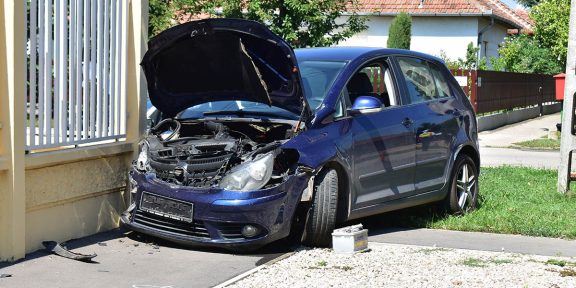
point(5, 275)
point(58, 249)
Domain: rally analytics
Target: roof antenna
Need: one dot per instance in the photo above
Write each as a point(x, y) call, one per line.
point(421, 4)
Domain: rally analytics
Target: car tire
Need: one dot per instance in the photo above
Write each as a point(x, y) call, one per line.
point(321, 216)
point(463, 194)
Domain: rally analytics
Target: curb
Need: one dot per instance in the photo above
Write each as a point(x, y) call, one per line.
point(253, 270)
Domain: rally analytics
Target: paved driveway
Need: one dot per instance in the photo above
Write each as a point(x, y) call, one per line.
point(130, 262)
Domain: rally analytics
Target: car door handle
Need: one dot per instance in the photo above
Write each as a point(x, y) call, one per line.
point(407, 122)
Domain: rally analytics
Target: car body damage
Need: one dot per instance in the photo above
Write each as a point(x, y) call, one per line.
point(252, 141)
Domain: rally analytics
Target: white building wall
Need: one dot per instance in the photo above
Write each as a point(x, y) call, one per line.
point(375, 36)
point(431, 35)
point(491, 38)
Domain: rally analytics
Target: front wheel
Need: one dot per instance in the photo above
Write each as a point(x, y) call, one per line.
point(321, 216)
point(463, 195)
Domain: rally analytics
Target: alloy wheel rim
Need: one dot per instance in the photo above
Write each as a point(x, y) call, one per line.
point(465, 187)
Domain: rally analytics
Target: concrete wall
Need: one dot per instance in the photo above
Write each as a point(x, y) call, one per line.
point(494, 121)
point(71, 200)
point(68, 193)
point(431, 35)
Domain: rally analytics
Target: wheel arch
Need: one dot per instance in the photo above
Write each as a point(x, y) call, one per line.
point(472, 153)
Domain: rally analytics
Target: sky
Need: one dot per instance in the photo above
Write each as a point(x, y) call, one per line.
point(511, 3)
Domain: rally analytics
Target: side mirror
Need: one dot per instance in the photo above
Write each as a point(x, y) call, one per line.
point(365, 105)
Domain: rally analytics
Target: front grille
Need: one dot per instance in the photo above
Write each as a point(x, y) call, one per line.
point(194, 229)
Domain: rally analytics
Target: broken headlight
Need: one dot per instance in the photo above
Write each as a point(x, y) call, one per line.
point(142, 161)
point(250, 175)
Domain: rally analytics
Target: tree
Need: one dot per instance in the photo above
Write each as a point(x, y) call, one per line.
point(400, 32)
point(528, 3)
point(470, 62)
point(471, 57)
point(160, 13)
point(302, 23)
point(523, 54)
point(551, 19)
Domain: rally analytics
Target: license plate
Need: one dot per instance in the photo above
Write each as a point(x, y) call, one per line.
point(166, 207)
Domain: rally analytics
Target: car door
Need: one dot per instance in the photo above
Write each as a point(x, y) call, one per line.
point(434, 118)
point(383, 142)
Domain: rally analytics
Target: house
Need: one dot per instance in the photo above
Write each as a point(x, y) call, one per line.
point(441, 26)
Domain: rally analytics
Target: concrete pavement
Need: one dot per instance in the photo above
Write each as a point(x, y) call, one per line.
point(132, 262)
point(504, 137)
point(475, 241)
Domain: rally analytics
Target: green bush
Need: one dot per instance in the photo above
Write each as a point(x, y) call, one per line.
point(400, 32)
point(523, 54)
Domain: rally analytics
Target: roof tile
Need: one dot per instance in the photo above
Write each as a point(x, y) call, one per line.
point(415, 7)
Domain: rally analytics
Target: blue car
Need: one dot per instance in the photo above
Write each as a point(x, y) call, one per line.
point(256, 141)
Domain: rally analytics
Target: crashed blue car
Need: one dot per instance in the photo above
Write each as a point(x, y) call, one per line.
point(256, 141)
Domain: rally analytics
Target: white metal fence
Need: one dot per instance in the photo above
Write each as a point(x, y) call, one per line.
point(76, 72)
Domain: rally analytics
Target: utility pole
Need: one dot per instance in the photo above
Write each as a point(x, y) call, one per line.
point(568, 139)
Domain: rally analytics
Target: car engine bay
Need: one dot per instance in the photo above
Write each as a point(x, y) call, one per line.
point(237, 155)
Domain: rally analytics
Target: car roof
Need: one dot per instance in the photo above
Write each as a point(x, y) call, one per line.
point(351, 53)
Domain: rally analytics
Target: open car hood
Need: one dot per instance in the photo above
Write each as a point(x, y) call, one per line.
point(222, 59)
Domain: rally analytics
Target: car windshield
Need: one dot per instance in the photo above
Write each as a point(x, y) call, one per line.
point(317, 77)
point(236, 109)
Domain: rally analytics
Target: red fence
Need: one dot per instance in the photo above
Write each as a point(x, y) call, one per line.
point(491, 91)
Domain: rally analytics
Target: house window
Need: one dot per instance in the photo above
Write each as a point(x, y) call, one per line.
point(76, 72)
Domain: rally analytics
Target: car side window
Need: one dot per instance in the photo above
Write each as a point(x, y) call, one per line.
point(373, 80)
point(442, 87)
point(424, 80)
point(418, 78)
point(340, 108)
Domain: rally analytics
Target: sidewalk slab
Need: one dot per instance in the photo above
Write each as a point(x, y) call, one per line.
point(522, 131)
point(477, 241)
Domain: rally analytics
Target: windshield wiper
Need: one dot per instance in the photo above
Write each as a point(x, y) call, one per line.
point(242, 113)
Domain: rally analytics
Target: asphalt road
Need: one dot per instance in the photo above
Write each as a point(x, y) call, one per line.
point(132, 262)
point(490, 157)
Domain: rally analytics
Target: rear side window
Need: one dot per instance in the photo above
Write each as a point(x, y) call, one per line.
point(424, 81)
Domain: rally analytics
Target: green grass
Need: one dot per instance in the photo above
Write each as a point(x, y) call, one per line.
point(477, 262)
point(513, 200)
point(474, 262)
point(560, 263)
point(518, 201)
point(542, 143)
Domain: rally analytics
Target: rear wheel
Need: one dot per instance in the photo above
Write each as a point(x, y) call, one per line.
point(463, 196)
point(321, 216)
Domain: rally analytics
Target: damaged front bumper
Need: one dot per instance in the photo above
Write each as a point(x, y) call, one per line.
point(217, 217)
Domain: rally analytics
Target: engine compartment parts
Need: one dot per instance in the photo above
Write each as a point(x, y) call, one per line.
point(235, 155)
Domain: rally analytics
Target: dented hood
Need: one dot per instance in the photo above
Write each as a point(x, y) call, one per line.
point(222, 59)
